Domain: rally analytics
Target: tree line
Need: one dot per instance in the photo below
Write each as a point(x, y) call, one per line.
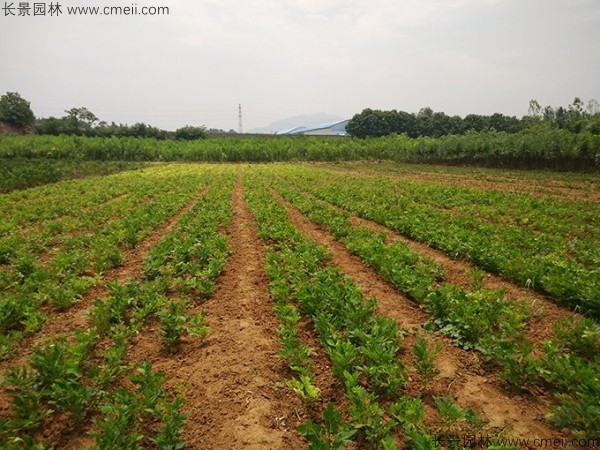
point(576, 118)
point(17, 112)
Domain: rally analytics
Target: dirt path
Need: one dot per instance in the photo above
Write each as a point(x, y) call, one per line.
point(461, 372)
point(77, 316)
point(230, 380)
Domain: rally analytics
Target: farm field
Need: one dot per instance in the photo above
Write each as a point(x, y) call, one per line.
point(20, 173)
point(331, 305)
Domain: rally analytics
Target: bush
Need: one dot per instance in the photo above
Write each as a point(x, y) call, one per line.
point(15, 110)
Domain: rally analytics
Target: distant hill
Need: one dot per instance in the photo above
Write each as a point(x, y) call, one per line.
point(306, 120)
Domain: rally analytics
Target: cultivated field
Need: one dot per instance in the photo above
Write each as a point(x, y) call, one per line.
point(358, 305)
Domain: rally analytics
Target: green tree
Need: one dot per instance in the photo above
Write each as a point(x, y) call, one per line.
point(79, 120)
point(370, 123)
point(189, 133)
point(51, 125)
point(15, 110)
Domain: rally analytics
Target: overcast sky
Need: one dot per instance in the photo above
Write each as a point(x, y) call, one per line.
point(281, 58)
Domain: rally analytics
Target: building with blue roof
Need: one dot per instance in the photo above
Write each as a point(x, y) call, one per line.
point(327, 129)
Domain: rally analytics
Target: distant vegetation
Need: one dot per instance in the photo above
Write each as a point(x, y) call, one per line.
point(575, 118)
point(537, 147)
point(546, 138)
point(16, 111)
point(82, 122)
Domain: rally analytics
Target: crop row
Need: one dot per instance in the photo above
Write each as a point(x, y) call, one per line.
point(527, 181)
point(365, 349)
point(480, 318)
point(87, 377)
point(551, 262)
point(58, 259)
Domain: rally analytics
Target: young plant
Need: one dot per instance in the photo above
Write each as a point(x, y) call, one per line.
point(173, 321)
point(425, 363)
point(334, 434)
point(150, 387)
point(477, 277)
point(28, 411)
point(169, 435)
point(117, 428)
point(409, 412)
point(343, 354)
point(365, 411)
point(305, 389)
point(581, 337)
point(196, 326)
point(451, 413)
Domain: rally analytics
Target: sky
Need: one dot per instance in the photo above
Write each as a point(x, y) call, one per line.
point(281, 58)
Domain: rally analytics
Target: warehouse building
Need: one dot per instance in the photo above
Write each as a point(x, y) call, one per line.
point(328, 129)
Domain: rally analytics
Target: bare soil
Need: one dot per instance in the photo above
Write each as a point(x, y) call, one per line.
point(462, 373)
point(545, 312)
point(77, 316)
point(234, 382)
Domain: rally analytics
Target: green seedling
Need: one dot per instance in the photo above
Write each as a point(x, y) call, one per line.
point(117, 427)
point(334, 434)
point(169, 435)
point(409, 412)
point(451, 413)
point(173, 322)
point(196, 326)
point(305, 389)
point(425, 363)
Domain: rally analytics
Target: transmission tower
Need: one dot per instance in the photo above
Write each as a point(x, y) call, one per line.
point(240, 127)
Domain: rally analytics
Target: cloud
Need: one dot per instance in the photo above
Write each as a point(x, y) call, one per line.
point(286, 57)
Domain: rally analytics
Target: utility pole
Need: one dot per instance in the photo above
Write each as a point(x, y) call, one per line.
point(240, 127)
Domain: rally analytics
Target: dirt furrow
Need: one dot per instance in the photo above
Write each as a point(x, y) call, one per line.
point(544, 311)
point(461, 372)
point(232, 380)
point(76, 316)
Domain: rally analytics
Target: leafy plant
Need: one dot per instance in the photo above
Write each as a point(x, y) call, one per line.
point(367, 416)
point(305, 389)
point(450, 411)
point(29, 411)
point(196, 326)
point(173, 322)
point(169, 435)
point(334, 434)
point(409, 412)
point(580, 336)
point(117, 428)
point(425, 363)
point(150, 387)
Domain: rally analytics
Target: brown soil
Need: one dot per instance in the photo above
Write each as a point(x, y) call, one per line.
point(461, 372)
point(457, 272)
point(76, 316)
point(544, 311)
point(234, 382)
